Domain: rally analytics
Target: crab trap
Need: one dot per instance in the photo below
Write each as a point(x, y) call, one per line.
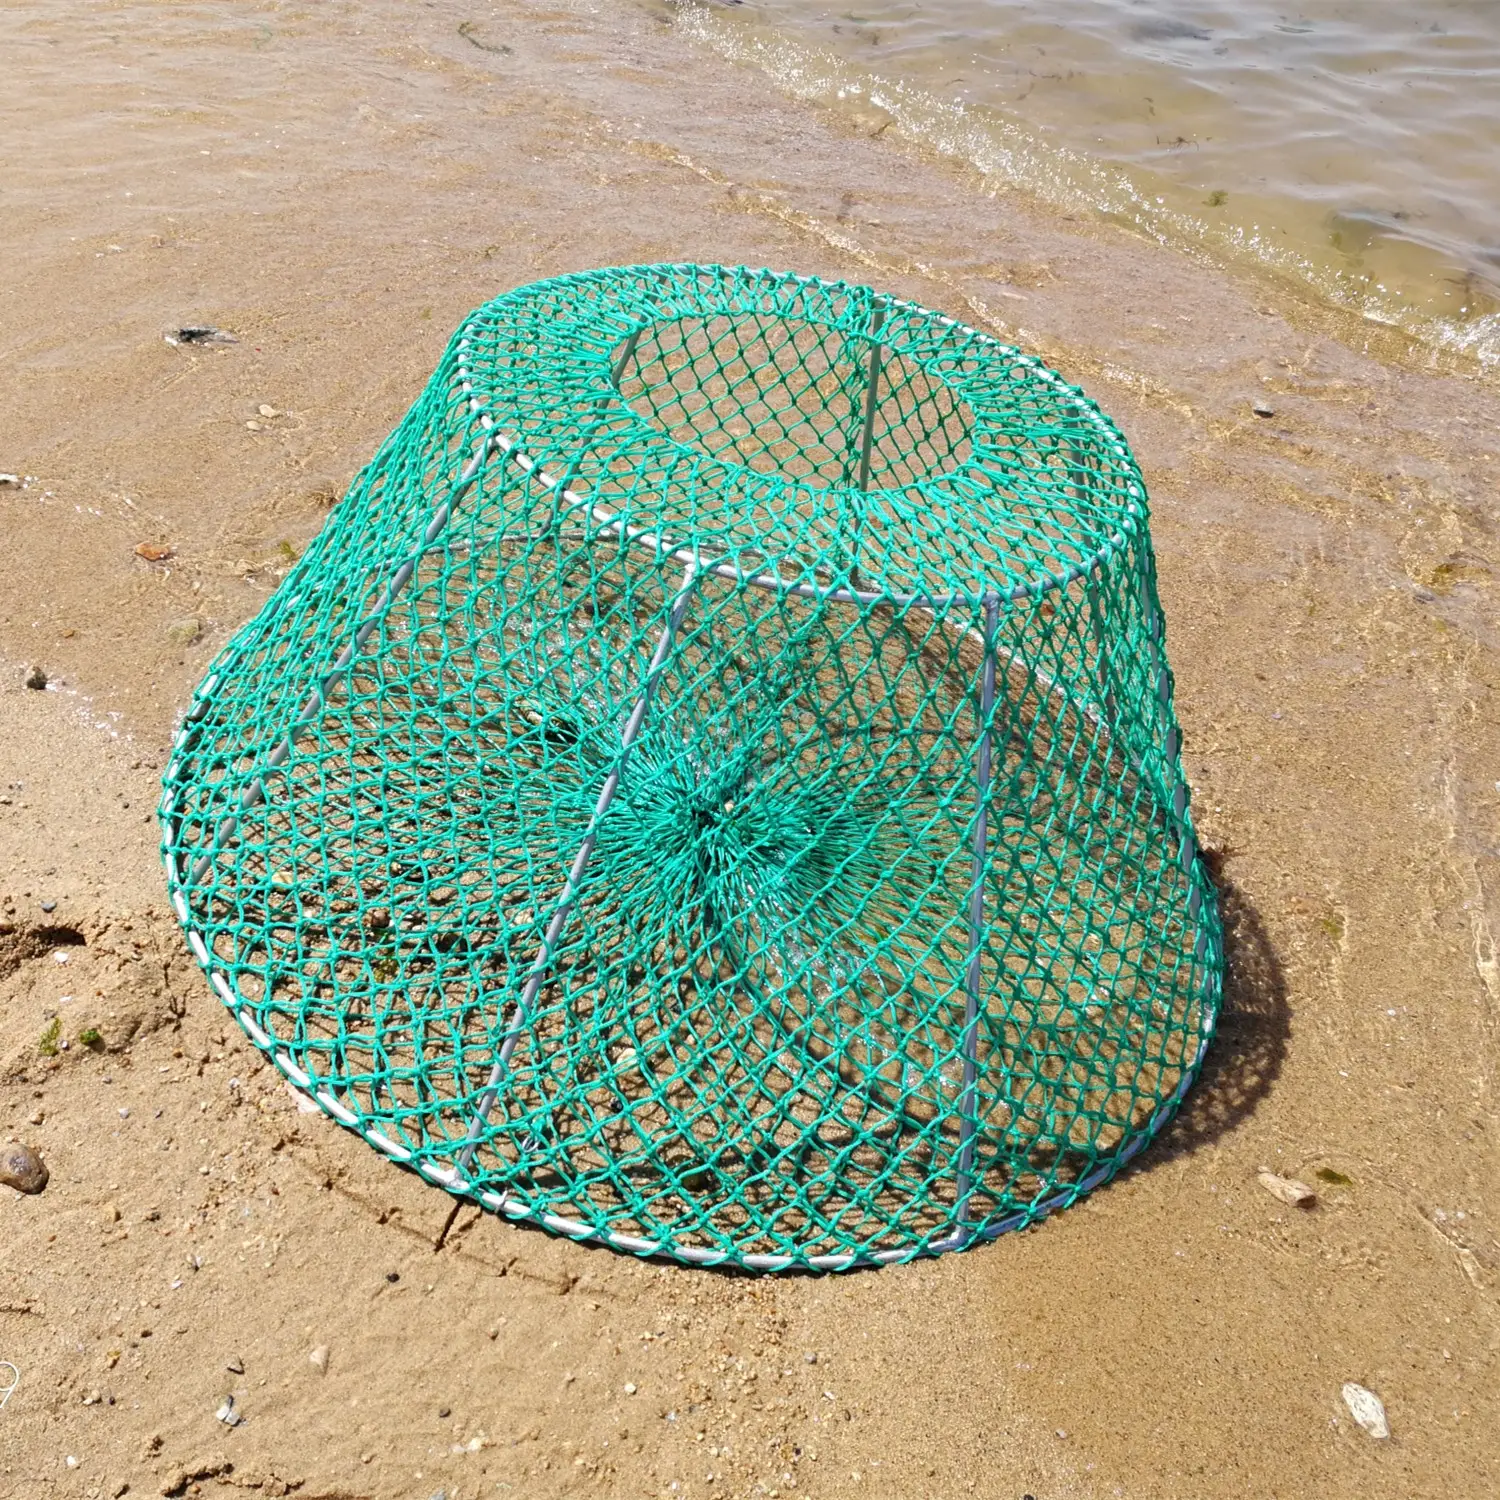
point(712, 785)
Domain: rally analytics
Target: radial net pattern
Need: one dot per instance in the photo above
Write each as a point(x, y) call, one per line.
point(712, 785)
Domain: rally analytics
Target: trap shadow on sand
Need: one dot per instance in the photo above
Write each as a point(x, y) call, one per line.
point(1250, 1043)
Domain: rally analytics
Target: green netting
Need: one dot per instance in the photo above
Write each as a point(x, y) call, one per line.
point(712, 785)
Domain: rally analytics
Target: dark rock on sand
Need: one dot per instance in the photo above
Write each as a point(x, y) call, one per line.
point(22, 1169)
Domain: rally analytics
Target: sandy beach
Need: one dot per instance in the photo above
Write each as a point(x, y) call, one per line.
point(336, 186)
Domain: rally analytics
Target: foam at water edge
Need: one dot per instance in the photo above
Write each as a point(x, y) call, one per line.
point(1005, 152)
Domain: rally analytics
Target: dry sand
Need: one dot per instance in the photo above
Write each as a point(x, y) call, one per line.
point(338, 184)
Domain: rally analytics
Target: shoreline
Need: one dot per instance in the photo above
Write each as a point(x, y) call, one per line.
point(338, 188)
point(1004, 156)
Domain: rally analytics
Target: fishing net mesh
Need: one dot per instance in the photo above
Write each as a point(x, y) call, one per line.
point(712, 784)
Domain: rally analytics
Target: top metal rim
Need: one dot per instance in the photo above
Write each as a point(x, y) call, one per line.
point(562, 334)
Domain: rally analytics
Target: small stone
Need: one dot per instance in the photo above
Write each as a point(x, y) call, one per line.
point(10, 479)
point(1291, 1192)
point(153, 551)
point(305, 1106)
point(252, 426)
point(444, 1411)
point(227, 1413)
point(1367, 1409)
point(111, 1213)
point(36, 1116)
point(393, 1276)
point(318, 1359)
point(185, 631)
point(628, 1388)
point(71, 1461)
point(810, 1358)
point(236, 1366)
point(1262, 410)
point(92, 1399)
point(36, 679)
point(267, 411)
point(49, 906)
point(22, 1169)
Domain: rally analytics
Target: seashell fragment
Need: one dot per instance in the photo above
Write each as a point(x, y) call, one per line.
point(1291, 1192)
point(1367, 1409)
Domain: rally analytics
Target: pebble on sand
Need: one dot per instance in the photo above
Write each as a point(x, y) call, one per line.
point(1367, 1409)
point(22, 1169)
point(318, 1359)
point(153, 551)
point(1291, 1192)
point(185, 631)
point(200, 333)
point(36, 679)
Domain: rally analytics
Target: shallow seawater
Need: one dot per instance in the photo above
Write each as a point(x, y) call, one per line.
point(1349, 147)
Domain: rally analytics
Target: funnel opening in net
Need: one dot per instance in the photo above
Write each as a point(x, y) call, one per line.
point(795, 398)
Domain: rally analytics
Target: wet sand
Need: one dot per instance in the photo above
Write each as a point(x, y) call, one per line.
point(338, 185)
point(1348, 150)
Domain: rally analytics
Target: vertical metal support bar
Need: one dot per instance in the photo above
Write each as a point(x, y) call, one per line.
point(1105, 674)
point(618, 373)
point(569, 894)
point(584, 444)
point(872, 400)
point(967, 1105)
point(851, 517)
